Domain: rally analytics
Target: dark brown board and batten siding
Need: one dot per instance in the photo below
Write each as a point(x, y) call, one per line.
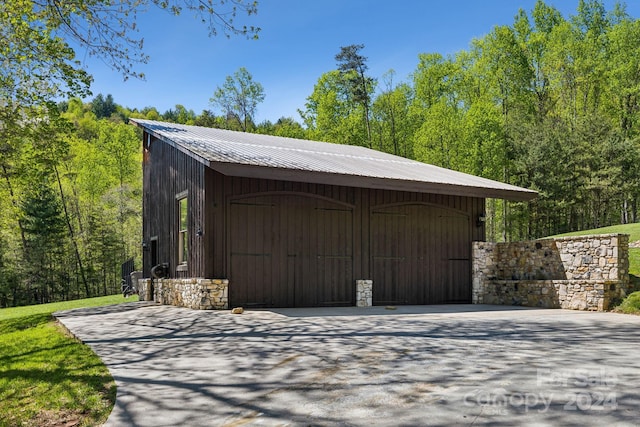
point(168, 173)
point(436, 268)
point(286, 244)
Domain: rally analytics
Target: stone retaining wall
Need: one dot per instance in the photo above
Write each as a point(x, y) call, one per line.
point(580, 273)
point(203, 294)
point(592, 295)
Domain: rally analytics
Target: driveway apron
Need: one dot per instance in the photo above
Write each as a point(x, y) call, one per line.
point(414, 365)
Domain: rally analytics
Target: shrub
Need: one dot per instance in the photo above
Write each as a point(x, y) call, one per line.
point(630, 304)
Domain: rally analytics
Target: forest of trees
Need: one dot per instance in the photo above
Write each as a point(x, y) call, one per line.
point(71, 213)
point(550, 102)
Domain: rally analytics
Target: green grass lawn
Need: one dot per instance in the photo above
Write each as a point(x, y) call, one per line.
point(633, 230)
point(48, 378)
point(631, 304)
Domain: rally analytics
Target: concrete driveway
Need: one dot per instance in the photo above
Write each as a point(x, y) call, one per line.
point(426, 365)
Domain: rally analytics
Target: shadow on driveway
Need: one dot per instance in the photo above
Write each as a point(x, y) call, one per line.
point(415, 365)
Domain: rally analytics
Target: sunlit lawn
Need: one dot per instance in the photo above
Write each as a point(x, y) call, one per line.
point(46, 377)
point(633, 230)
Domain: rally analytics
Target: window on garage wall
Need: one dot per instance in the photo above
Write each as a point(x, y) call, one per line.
point(183, 237)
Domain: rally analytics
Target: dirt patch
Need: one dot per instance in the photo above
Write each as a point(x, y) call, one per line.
point(62, 418)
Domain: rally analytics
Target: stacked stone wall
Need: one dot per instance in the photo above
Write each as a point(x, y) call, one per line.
point(364, 293)
point(196, 293)
point(580, 273)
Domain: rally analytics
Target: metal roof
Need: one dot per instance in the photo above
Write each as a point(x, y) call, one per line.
point(273, 157)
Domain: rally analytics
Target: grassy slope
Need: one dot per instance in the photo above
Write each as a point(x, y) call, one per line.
point(633, 230)
point(632, 303)
point(46, 377)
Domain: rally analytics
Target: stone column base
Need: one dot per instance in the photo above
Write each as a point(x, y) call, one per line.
point(364, 293)
point(196, 293)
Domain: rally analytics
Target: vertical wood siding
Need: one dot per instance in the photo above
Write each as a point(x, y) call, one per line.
point(434, 236)
point(167, 173)
point(420, 254)
point(283, 243)
point(290, 250)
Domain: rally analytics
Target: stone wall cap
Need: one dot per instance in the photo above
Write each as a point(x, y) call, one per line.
point(554, 281)
point(586, 236)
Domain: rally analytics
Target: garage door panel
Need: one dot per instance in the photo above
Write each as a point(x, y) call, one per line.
point(251, 253)
point(252, 270)
point(310, 243)
point(389, 280)
point(333, 273)
point(434, 244)
point(458, 271)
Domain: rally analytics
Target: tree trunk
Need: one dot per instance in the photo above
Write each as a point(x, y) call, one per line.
point(71, 234)
point(14, 202)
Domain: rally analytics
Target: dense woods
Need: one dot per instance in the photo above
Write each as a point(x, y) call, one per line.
point(72, 207)
point(549, 102)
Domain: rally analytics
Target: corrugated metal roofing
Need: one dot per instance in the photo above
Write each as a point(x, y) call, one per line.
point(275, 157)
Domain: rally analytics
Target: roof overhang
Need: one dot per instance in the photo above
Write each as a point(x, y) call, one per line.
point(493, 189)
point(252, 171)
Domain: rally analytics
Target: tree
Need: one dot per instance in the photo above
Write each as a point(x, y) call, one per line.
point(208, 119)
point(39, 67)
point(285, 126)
point(37, 36)
point(239, 97)
point(330, 113)
point(44, 228)
point(353, 66)
point(103, 107)
point(623, 94)
point(390, 111)
point(180, 115)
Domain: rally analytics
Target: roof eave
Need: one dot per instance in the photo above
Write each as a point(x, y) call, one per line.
point(283, 174)
point(299, 175)
point(172, 143)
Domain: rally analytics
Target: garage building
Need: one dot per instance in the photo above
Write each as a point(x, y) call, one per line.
point(296, 223)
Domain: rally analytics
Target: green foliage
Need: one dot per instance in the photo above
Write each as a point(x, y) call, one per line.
point(180, 115)
point(285, 126)
point(103, 107)
point(550, 102)
point(38, 66)
point(360, 87)
point(631, 304)
point(45, 156)
point(390, 110)
point(238, 98)
point(634, 266)
point(331, 114)
point(73, 185)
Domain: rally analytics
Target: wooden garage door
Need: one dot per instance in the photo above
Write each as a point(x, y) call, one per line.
point(420, 255)
point(290, 251)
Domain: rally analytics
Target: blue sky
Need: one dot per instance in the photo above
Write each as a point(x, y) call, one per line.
point(297, 44)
